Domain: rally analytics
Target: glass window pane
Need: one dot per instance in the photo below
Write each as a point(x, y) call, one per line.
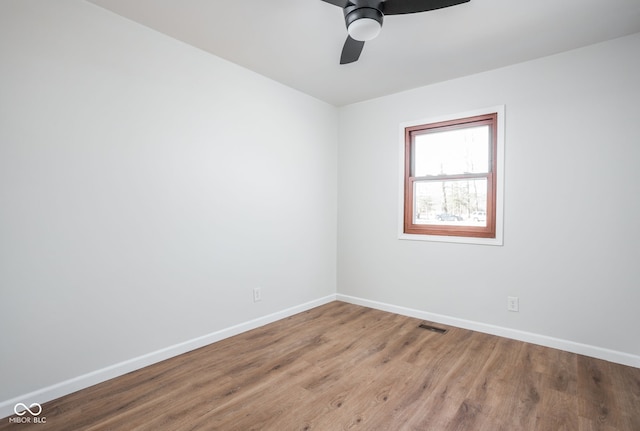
point(452, 152)
point(457, 203)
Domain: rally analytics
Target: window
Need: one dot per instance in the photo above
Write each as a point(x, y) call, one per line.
point(451, 183)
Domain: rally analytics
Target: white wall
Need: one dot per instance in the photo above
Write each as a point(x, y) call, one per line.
point(145, 188)
point(572, 202)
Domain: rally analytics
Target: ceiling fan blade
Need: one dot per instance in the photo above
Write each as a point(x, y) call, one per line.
point(398, 7)
point(351, 50)
point(340, 3)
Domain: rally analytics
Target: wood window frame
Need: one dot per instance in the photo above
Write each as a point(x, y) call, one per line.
point(488, 231)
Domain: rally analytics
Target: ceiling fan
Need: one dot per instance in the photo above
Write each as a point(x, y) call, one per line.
point(364, 19)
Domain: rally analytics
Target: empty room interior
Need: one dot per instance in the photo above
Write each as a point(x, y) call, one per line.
point(239, 216)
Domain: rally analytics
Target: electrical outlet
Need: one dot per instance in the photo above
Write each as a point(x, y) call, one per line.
point(513, 303)
point(257, 294)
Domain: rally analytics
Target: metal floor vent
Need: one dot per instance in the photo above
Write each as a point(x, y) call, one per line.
point(432, 328)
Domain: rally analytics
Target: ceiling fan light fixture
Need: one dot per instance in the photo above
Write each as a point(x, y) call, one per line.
point(364, 29)
point(364, 23)
point(363, 19)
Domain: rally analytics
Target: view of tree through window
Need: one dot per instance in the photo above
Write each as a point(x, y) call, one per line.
point(450, 177)
point(454, 152)
point(451, 202)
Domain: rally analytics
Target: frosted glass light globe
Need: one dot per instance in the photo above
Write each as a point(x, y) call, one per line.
point(364, 29)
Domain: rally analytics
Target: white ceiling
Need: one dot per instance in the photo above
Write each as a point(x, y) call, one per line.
point(298, 42)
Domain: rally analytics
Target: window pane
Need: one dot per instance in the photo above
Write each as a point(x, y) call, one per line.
point(452, 152)
point(457, 203)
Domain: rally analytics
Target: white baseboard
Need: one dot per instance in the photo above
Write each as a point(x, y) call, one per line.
point(529, 337)
point(84, 381)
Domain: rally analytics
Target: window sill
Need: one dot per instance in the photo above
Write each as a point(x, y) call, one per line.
point(454, 239)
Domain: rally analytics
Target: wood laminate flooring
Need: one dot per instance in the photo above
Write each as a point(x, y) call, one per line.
point(346, 367)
